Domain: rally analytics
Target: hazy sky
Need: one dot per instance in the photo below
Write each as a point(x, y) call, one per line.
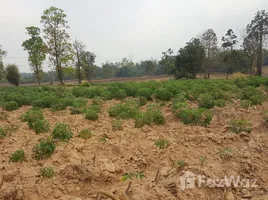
point(113, 29)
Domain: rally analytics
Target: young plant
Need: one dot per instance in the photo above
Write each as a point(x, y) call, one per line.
point(3, 115)
point(225, 153)
point(162, 143)
point(76, 111)
point(85, 134)
point(202, 160)
point(40, 126)
point(180, 163)
point(241, 125)
point(130, 176)
point(92, 115)
point(3, 133)
point(117, 125)
point(47, 172)
point(18, 156)
point(12, 105)
point(206, 101)
point(44, 149)
point(62, 132)
point(104, 139)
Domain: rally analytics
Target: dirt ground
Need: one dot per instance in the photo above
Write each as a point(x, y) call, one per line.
point(85, 167)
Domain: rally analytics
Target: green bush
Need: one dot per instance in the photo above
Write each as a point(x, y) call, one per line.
point(180, 98)
point(142, 101)
point(195, 116)
point(145, 92)
point(163, 94)
point(44, 149)
point(32, 115)
point(62, 132)
point(162, 143)
point(80, 103)
point(117, 125)
point(241, 125)
point(124, 111)
point(254, 95)
point(40, 126)
point(18, 156)
point(245, 104)
point(206, 101)
point(3, 133)
point(119, 94)
point(11, 105)
point(220, 103)
point(97, 101)
point(76, 111)
point(85, 134)
point(47, 172)
point(92, 114)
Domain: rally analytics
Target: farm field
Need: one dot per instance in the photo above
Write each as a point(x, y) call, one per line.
point(134, 140)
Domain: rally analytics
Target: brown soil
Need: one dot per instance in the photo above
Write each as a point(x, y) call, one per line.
point(86, 167)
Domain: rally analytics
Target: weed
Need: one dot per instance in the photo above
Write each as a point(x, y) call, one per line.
point(12, 105)
point(104, 139)
point(162, 143)
point(18, 156)
point(241, 125)
point(180, 163)
point(62, 132)
point(85, 134)
point(47, 172)
point(117, 125)
point(202, 160)
point(225, 153)
point(130, 176)
point(44, 149)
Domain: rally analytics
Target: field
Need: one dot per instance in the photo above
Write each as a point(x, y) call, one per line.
point(134, 140)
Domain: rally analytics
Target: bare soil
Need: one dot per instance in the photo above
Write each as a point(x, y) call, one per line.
point(83, 168)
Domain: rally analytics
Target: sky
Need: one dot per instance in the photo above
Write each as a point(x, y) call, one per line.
point(136, 29)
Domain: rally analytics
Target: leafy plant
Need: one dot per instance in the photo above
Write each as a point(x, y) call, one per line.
point(130, 176)
point(47, 172)
point(180, 163)
point(163, 94)
point(3, 133)
point(18, 156)
point(202, 160)
point(44, 149)
point(62, 132)
point(104, 139)
point(241, 125)
point(12, 105)
point(40, 126)
point(76, 111)
point(31, 116)
point(142, 101)
point(3, 115)
point(124, 111)
point(225, 153)
point(85, 134)
point(145, 92)
point(117, 125)
point(206, 101)
point(162, 143)
point(220, 103)
point(92, 114)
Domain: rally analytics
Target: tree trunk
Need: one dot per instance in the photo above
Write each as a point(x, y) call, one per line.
point(259, 63)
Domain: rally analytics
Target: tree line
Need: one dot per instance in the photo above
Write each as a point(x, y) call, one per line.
point(200, 55)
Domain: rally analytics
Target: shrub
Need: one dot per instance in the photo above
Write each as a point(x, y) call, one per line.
point(97, 101)
point(2, 133)
point(92, 114)
point(117, 125)
point(206, 101)
point(119, 94)
point(12, 105)
point(220, 103)
point(44, 149)
point(80, 102)
point(180, 98)
point(253, 95)
point(85, 134)
point(195, 116)
point(145, 92)
point(47, 172)
point(18, 156)
point(62, 132)
point(163, 94)
point(31, 116)
point(245, 104)
point(162, 143)
point(241, 125)
point(40, 126)
point(124, 111)
point(3, 115)
point(76, 111)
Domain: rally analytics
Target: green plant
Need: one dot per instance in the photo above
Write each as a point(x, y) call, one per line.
point(162, 143)
point(85, 134)
point(44, 149)
point(76, 111)
point(92, 114)
point(31, 116)
point(12, 105)
point(2, 133)
point(180, 163)
point(130, 176)
point(163, 94)
point(225, 153)
point(117, 125)
point(142, 101)
point(47, 172)
point(40, 126)
point(241, 125)
point(202, 160)
point(104, 138)
point(124, 111)
point(220, 103)
point(145, 92)
point(206, 101)
point(245, 104)
point(18, 156)
point(62, 132)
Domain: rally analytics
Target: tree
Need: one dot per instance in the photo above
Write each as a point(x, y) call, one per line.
point(87, 64)
point(59, 48)
point(37, 51)
point(13, 74)
point(229, 41)
point(2, 71)
point(258, 28)
point(107, 69)
point(190, 59)
point(2, 53)
point(168, 61)
point(79, 49)
point(209, 41)
point(150, 66)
